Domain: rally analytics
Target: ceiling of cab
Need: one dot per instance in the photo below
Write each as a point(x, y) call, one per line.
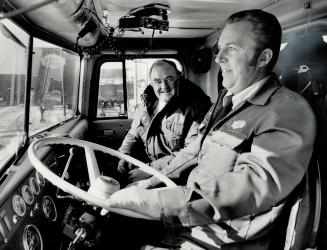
point(187, 18)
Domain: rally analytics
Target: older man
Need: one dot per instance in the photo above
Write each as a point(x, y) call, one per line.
point(252, 150)
point(172, 110)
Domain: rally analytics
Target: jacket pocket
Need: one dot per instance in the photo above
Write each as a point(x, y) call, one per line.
point(219, 152)
point(143, 127)
point(228, 139)
point(174, 134)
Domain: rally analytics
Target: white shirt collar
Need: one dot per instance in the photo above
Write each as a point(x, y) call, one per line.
point(246, 93)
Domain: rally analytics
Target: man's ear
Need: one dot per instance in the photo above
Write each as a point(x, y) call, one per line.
point(265, 57)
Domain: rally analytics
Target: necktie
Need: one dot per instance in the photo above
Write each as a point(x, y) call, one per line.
point(222, 110)
point(219, 110)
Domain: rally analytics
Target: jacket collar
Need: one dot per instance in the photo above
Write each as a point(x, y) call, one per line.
point(262, 95)
point(259, 97)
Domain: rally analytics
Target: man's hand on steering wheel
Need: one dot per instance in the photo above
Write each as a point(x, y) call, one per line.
point(138, 200)
point(124, 166)
point(137, 175)
point(146, 184)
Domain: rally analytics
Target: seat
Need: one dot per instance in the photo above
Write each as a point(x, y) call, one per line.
point(303, 222)
point(297, 227)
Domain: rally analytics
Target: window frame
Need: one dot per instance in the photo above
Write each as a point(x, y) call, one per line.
point(77, 106)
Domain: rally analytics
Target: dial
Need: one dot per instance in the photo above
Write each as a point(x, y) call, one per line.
point(18, 205)
point(40, 178)
point(49, 208)
point(34, 184)
point(27, 194)
point(32, 239)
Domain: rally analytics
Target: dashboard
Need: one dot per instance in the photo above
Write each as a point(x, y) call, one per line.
point(30, 213)
point(36, 215)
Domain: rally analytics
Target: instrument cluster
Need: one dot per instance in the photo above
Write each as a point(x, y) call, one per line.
point(33, 209)
point(28, 194)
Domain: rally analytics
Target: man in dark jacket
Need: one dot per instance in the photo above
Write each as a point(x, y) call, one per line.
point(167, 121)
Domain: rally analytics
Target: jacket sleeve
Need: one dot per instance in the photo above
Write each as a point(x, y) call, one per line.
point(195, 116)
point(185, 159)
point(262, 177)
point(132, 136)
point(198, 112)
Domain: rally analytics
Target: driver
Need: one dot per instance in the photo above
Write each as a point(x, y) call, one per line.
point(172, 110)
point(247, 161)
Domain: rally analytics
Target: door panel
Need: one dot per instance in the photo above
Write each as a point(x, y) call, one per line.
point(109, 133)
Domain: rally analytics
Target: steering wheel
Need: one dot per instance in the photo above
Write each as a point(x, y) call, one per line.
point(101, 187)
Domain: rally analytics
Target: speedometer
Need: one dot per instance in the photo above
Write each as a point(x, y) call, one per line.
point(18, 204)
point(27, 194)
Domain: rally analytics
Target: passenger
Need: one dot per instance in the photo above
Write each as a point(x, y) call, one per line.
point(247, 161)
point(172, 111)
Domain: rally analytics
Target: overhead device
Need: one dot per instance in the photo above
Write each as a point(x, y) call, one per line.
point(151, 16)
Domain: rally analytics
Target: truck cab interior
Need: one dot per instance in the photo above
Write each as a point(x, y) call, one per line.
point(71, 77)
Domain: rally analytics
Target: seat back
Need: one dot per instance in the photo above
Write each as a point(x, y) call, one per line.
point(299, 226)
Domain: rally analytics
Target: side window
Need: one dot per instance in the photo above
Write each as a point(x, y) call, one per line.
point(111, 96)
point(111, 92)
point(13, 71)
point(54, 87)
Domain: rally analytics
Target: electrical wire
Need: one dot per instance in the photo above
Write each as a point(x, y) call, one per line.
point(150, 44)
point(110, 40)
point(27, 9)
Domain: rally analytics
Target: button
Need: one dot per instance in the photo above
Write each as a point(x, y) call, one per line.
point(15, 219)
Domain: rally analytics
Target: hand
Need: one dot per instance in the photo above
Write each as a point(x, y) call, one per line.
point(138, 200)
point(124, 166)
point(146, 184)
point(137, 175)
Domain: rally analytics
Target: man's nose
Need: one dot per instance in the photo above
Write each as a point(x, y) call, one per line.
point(163, 83)
point(220, 57)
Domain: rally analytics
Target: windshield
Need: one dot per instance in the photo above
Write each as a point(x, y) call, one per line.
point(54, 90)
point(54, 87)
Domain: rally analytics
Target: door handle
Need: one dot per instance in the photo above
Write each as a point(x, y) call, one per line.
point(109, 132)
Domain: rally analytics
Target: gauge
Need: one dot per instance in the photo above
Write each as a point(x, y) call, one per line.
point(27, 194)
point(40, 178)
point(32, 239)
point(34, 184)
point(49, 208)
point(18, 205)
